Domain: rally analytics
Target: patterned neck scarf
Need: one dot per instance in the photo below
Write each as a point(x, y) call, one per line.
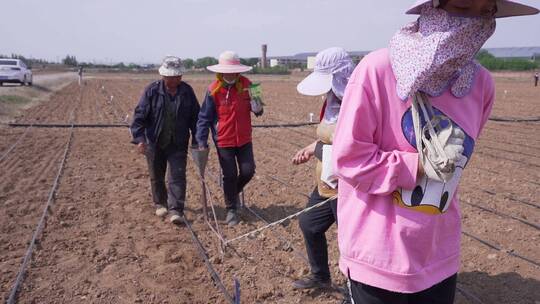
point(224, 84)
point(333, 105)
point(437, 52)
point(341, 72)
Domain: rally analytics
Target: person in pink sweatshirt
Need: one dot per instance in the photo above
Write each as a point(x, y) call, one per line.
point(408, 123)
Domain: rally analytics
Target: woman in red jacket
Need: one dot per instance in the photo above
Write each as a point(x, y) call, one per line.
point(226, 110)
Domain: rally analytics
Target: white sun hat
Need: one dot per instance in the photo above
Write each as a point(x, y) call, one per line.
point(333, 67)
point(229, 62)
point(172, 66)
point(505, 8)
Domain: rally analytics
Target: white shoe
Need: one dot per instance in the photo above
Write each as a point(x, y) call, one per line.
point(176, 219)
point(161, 211)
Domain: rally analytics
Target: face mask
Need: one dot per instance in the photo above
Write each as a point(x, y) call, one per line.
point(437, 52)
point(229, 82)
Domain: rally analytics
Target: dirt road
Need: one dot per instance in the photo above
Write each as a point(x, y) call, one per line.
point(15, 98)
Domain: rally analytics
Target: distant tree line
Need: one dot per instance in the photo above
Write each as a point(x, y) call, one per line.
point(277, 70)
point(203, 62)
point(492, 63)
point(70, 61)
point(29, 61)
point(484, 57)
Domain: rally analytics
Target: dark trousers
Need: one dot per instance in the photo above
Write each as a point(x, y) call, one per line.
point(173, 196)
point(238, 167)
point(441, 293)
point(314, 225)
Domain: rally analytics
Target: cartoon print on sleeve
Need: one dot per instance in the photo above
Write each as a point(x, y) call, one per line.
point(431, 196)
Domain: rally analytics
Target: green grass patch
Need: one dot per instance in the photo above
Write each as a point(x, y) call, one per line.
point(14, 100)
point(500, 64)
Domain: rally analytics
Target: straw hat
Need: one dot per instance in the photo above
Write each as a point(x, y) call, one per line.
point(505, 8)
point(171, 66)
point(229, 62)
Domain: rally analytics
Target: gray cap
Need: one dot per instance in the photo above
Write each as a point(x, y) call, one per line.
point(172, 66)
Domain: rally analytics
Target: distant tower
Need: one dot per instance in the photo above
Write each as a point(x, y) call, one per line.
point(263, 58)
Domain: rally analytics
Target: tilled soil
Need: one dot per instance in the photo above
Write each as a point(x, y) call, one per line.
point(102, 243)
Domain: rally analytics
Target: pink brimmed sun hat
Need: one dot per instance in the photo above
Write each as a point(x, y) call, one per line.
point(505, 8)
point(229, 62)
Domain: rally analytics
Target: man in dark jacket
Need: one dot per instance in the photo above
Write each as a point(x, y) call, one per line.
point(166, 114)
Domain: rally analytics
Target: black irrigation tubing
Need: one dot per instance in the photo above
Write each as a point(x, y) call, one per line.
point(283, 239)
point(468, 295)
point(286, 241)
point(15, 144)
point(520, 201)
point(59, 125)
point(310, 137)
point(512, 253)
point(502, 214)
point(279, 180)
point(283, 140)
point(284, 122)
point(511, 151)
point(285, 184)
point(291, 144)
point(524, 126)
point(514, 119)
point(295, 145)
point(260, 217)
point(216, 230)
point(508, 159)
point(495, 247)
point(508, 131)
point(285, 125)
point(522, 180)
point(481, 208)
point(202, 252)
point(513, 133)
point(124, 125)
point(39, 228)
point(498, 141)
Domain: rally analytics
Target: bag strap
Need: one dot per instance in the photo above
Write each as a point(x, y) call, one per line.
point(435, 157)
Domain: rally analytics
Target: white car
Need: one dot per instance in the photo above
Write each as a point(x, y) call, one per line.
point(14, 71)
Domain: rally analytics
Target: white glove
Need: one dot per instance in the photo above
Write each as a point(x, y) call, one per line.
point(256, 106)
point(454, 146)
point(441, 167)
point(440, 148)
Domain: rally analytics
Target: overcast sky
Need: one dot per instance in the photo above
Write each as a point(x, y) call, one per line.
point(144, 31)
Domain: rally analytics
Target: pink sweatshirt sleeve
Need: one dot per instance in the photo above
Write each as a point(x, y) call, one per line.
point(489, 99)
point(357, 156)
